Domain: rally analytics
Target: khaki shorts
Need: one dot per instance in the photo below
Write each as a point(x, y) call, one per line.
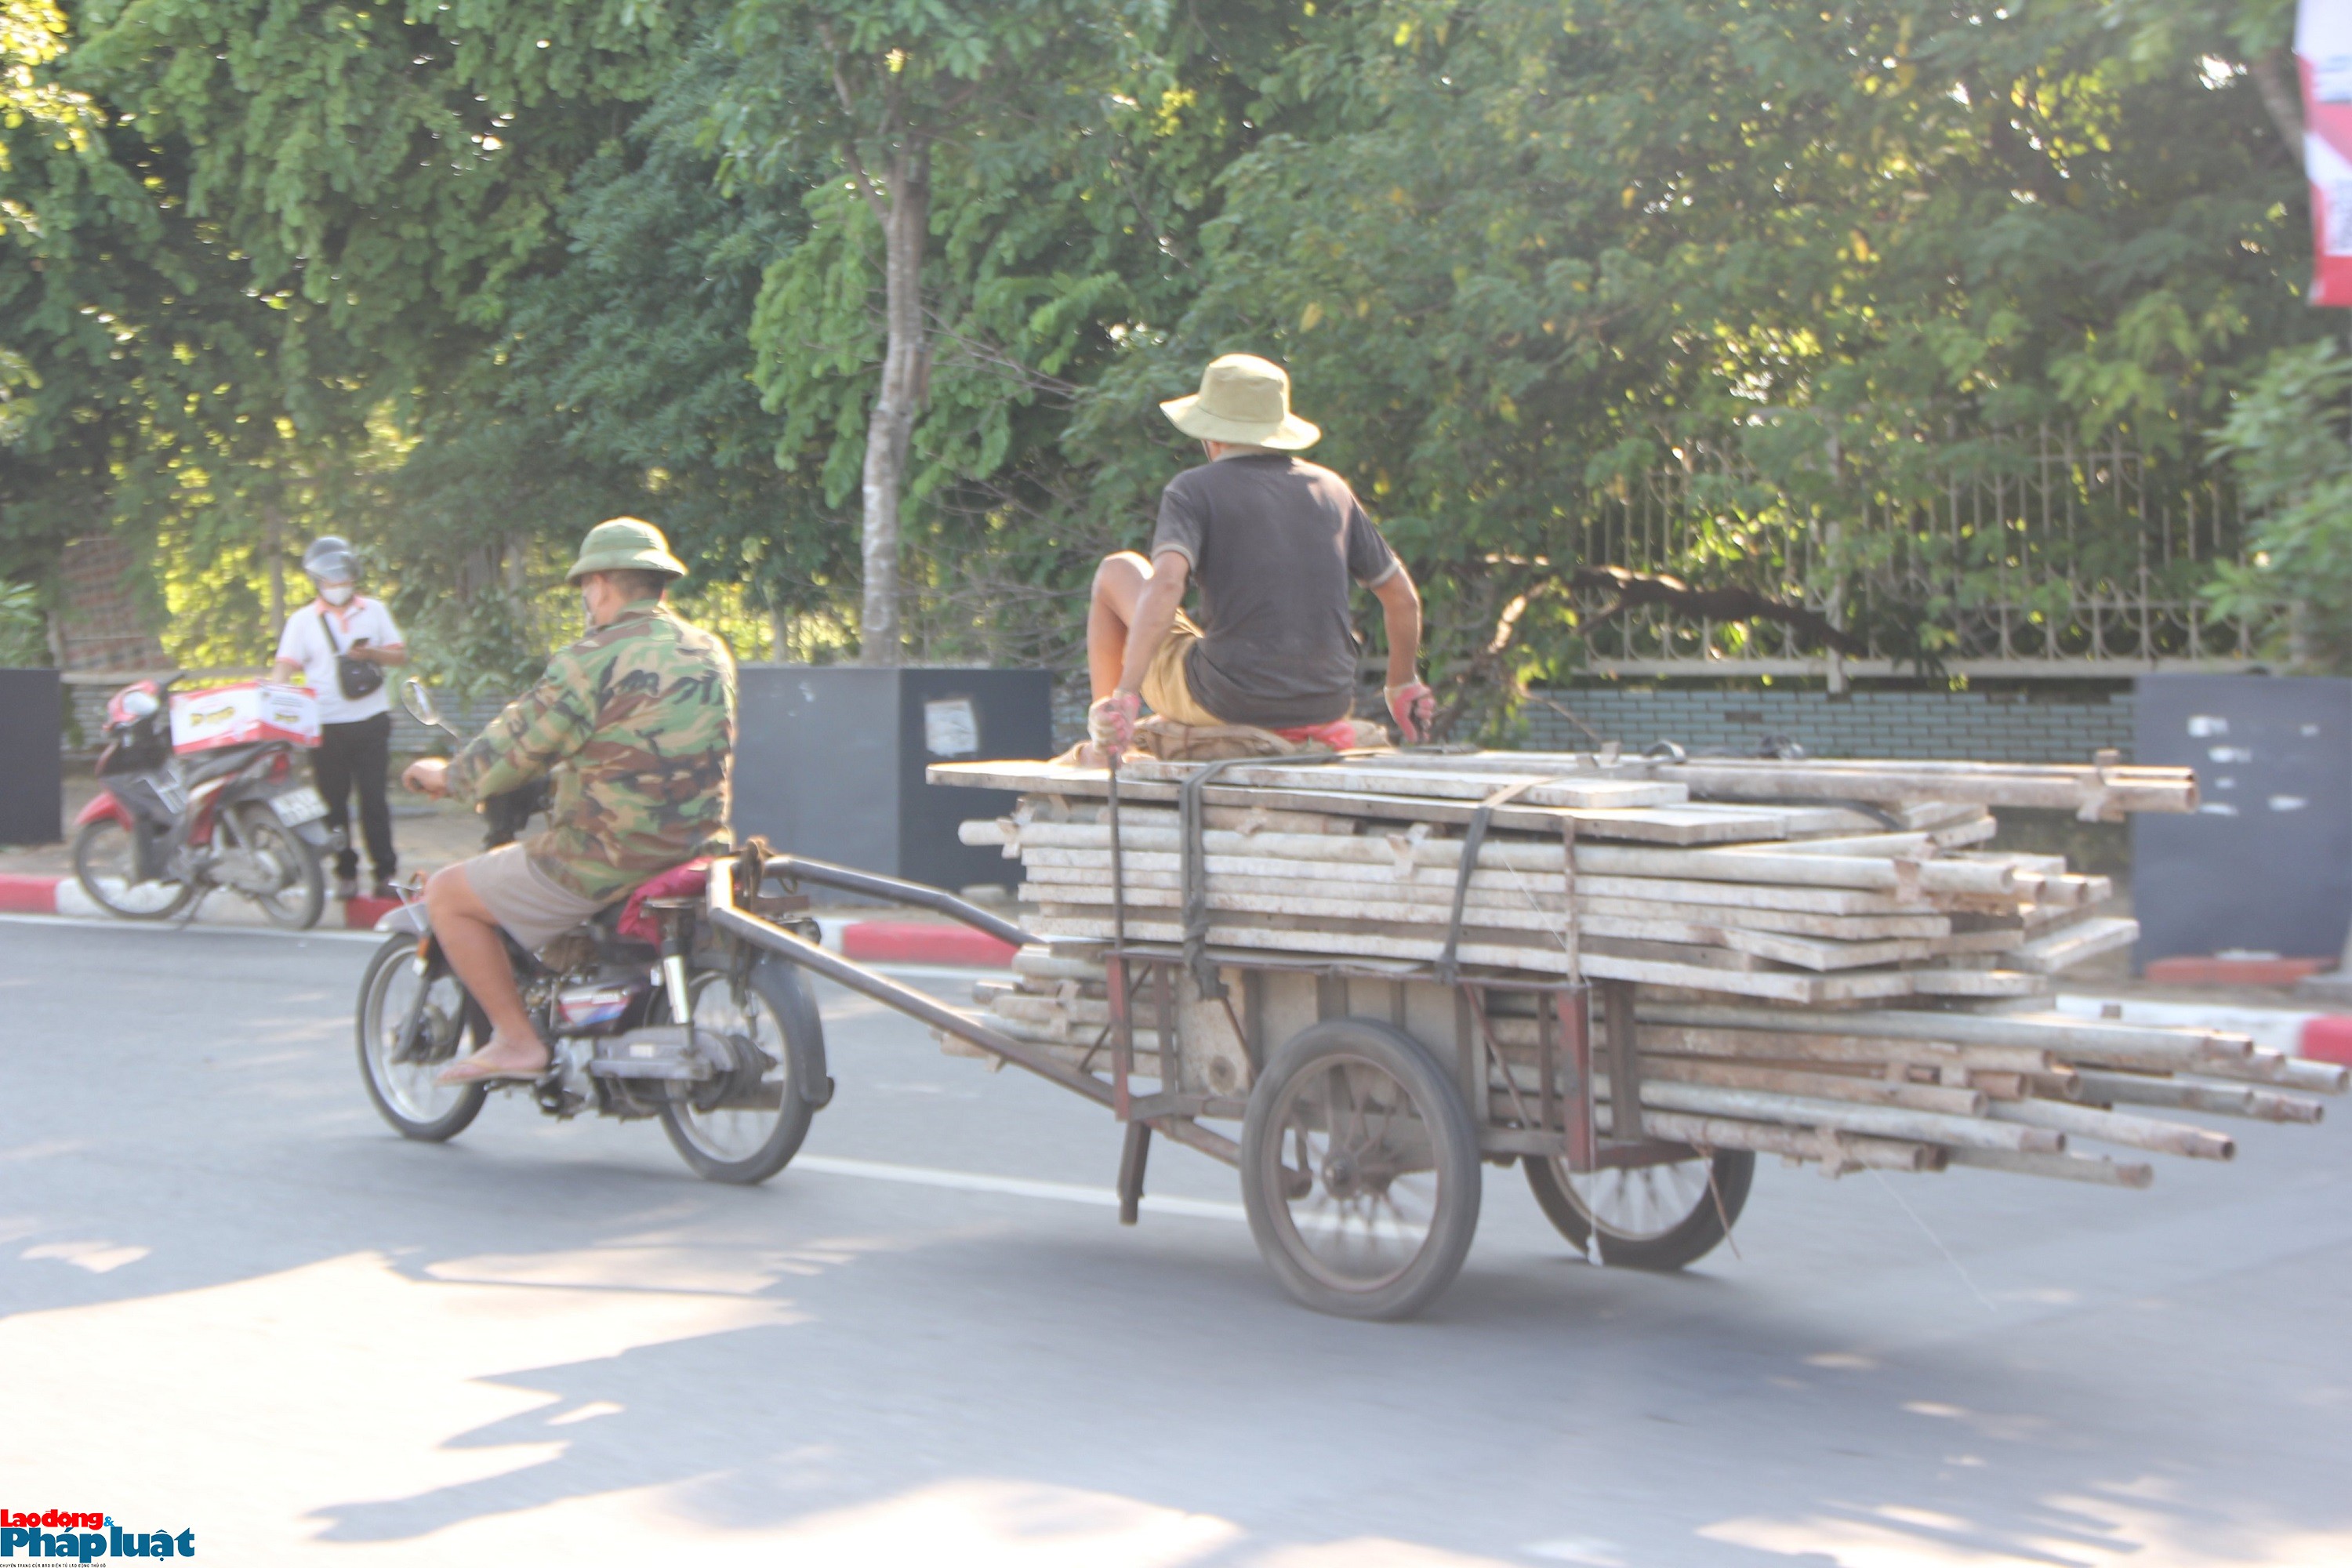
point(1164, 687)
point(521, 897)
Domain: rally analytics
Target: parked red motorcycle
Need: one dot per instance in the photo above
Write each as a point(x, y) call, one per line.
point(167, 831)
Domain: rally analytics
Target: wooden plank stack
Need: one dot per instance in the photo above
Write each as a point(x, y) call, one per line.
point(1809, 936)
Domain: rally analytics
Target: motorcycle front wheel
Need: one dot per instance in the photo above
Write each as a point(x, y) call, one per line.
point(397, 1067)
point(105, 864)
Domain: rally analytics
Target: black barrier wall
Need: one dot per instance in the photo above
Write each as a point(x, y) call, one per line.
point(2265, 863)
point(31, 731)
point(829, 763)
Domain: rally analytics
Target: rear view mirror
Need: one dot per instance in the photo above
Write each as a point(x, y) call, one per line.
point(419, 703)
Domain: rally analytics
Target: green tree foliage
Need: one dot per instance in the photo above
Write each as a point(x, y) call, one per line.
point(2287, 437)
point(395, 170)
point(1053, 241)
point(254, 231)
point(641, 345)
point(24, 637)
point(1514, 253)
point(893, 95)
point(135, 357)
point(847, 291)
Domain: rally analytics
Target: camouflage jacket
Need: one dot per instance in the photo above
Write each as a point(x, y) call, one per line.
point(635, 722)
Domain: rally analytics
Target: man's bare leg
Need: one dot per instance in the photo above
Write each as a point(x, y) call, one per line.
point(469, 935)
point(1118, 585)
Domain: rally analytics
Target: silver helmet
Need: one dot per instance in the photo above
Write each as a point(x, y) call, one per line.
point(330, 560)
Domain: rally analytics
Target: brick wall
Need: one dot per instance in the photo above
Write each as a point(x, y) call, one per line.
point(2000, 726)
point(103, 624)
point(1996, 726)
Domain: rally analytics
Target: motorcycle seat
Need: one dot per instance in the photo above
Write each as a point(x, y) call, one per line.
point(606, 923)
point(228, 760)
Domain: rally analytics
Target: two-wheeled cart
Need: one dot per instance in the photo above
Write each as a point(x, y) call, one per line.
point(1839, 965)
point(1369, 1090)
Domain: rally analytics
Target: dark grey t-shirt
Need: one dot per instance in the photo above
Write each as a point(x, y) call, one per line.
point(1273, 541)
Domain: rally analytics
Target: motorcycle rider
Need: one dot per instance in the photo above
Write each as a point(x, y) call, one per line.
point(635, 723)
point(354, 727)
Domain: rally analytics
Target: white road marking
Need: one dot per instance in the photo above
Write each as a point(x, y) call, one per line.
point(72, 922)
point(1012, 1186)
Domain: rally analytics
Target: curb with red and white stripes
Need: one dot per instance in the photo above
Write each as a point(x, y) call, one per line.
point(23, 895)
point(2318, 1035)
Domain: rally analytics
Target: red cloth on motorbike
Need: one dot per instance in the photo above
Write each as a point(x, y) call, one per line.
point(687, 881)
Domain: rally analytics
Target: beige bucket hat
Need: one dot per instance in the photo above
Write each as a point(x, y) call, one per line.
point(1242, 399)
point(624, 544)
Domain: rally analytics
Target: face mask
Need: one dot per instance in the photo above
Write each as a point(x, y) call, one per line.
point(340, 594)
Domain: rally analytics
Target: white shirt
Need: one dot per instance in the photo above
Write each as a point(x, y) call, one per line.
point(305, 643)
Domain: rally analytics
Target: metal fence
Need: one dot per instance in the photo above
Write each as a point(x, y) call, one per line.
point(2031, 556)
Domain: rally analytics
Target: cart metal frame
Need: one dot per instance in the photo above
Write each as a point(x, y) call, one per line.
point(1396, 1067)
point(1556, 1121)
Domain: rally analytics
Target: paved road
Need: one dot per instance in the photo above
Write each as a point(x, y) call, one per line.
point(231, 1301)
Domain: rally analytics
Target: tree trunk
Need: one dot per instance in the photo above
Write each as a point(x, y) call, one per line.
point(888, 429)
point(2279, 80)
point(273, 546)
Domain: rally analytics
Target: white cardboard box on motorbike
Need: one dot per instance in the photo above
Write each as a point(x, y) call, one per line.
point(236, 715)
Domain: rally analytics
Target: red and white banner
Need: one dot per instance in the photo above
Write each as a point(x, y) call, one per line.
point(2323, 58)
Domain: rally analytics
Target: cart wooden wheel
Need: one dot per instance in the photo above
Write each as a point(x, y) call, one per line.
point(1647, 1216)
point(1360, 1170)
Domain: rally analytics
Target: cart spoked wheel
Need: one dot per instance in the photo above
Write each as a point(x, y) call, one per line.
point(1360, 1170)
point(1661, 1217)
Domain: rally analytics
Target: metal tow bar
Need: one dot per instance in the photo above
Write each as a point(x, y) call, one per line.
point(727, 916)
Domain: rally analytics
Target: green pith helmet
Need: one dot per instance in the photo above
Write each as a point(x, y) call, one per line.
point(624, 544)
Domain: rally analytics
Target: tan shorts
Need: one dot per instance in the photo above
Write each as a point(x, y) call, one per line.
point(1164, 687)
point(533, 907)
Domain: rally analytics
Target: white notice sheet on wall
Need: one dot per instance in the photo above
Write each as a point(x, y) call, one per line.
point(951, 728)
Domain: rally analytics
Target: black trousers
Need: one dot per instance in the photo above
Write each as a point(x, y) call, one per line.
point(359, 753)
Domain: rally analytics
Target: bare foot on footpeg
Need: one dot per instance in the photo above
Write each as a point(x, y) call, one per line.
point(503, 1060)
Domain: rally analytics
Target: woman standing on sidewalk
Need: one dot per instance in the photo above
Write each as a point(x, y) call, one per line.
point(340, 643)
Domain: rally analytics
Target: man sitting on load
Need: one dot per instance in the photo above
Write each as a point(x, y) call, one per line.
point(637, 723)
point(1273, 541)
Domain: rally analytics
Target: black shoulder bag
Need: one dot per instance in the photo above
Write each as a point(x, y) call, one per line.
point(357, 676)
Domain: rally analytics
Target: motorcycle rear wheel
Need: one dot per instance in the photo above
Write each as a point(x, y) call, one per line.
point(302, 891)
point(105, 864)
point(403, 1091)
point(743, 1145)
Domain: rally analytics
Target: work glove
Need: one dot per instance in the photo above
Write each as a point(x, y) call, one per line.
point(1413, 706)
point(1110, 722)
